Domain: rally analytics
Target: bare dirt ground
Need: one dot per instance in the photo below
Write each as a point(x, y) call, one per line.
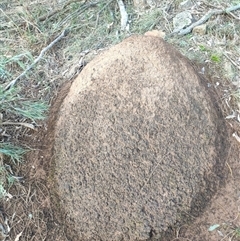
point(32, 211)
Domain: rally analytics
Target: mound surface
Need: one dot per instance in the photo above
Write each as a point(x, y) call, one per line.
point(138, 143)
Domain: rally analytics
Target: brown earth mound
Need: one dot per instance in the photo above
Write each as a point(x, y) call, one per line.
point(139, 144)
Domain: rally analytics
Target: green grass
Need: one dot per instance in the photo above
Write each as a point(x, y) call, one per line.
point(31, 110)
point(12, 102)
point(216, 58)
point(14, 153)
point(7, 179)
point(13, 105)
point(236, 95)
point(147, 22)
point(90, 27)
point(237, 232)
point(203, 48)
point(3, 191)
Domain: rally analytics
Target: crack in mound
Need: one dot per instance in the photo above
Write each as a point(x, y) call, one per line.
point(138, 142)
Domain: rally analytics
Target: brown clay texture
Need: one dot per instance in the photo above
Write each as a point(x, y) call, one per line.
point(139, 144)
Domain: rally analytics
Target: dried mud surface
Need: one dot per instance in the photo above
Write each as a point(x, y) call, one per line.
point(51, 223)
point(33, 213)
point(139, 145)
point(223, 209)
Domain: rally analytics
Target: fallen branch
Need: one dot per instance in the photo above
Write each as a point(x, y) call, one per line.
point(124, 15)
point(12, 83)
point(204, 19)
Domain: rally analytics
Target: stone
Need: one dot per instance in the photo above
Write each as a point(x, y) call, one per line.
point(200, 30)
point(140, 4)
point(156, 33)
point(182, 20)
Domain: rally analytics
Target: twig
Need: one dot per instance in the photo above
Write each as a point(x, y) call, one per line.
point(236, 136)
point(234, 63)
point(124, 15)
point(208, 15)
point(230, 169)
point(18, 236)
point(31, 126)
point(12, 83)
point(32, 24)
point(233, 15)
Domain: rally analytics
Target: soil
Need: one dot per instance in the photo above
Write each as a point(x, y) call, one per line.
point(223, 209)
point(58, 222)
point(123, 169)
point(42, 202)
point(33, 212)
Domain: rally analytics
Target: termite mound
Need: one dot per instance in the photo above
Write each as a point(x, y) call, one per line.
point(139, 144)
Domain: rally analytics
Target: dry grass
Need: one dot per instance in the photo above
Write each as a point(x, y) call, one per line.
point(28, 27)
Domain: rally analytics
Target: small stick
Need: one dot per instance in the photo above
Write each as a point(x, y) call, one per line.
point(235, 64)
point(235, 135)
point(18, 236)
point(208, 15)
point(233, 15)
point(31, 126)
point(13, 82)
point(124, 15)
point(229, 169)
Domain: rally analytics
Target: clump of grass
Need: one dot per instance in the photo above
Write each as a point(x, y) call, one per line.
point(147, 21)
point(203, 48)
point(12, 102)
point(7, 180)
point(15, 62)
point(3, 72)
point(3, 191)
point(216, 58)
point(236, 95)
point(15, 153)
point(31, 110)
point(13, 105)
point(237, 232)
point(99, 27)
